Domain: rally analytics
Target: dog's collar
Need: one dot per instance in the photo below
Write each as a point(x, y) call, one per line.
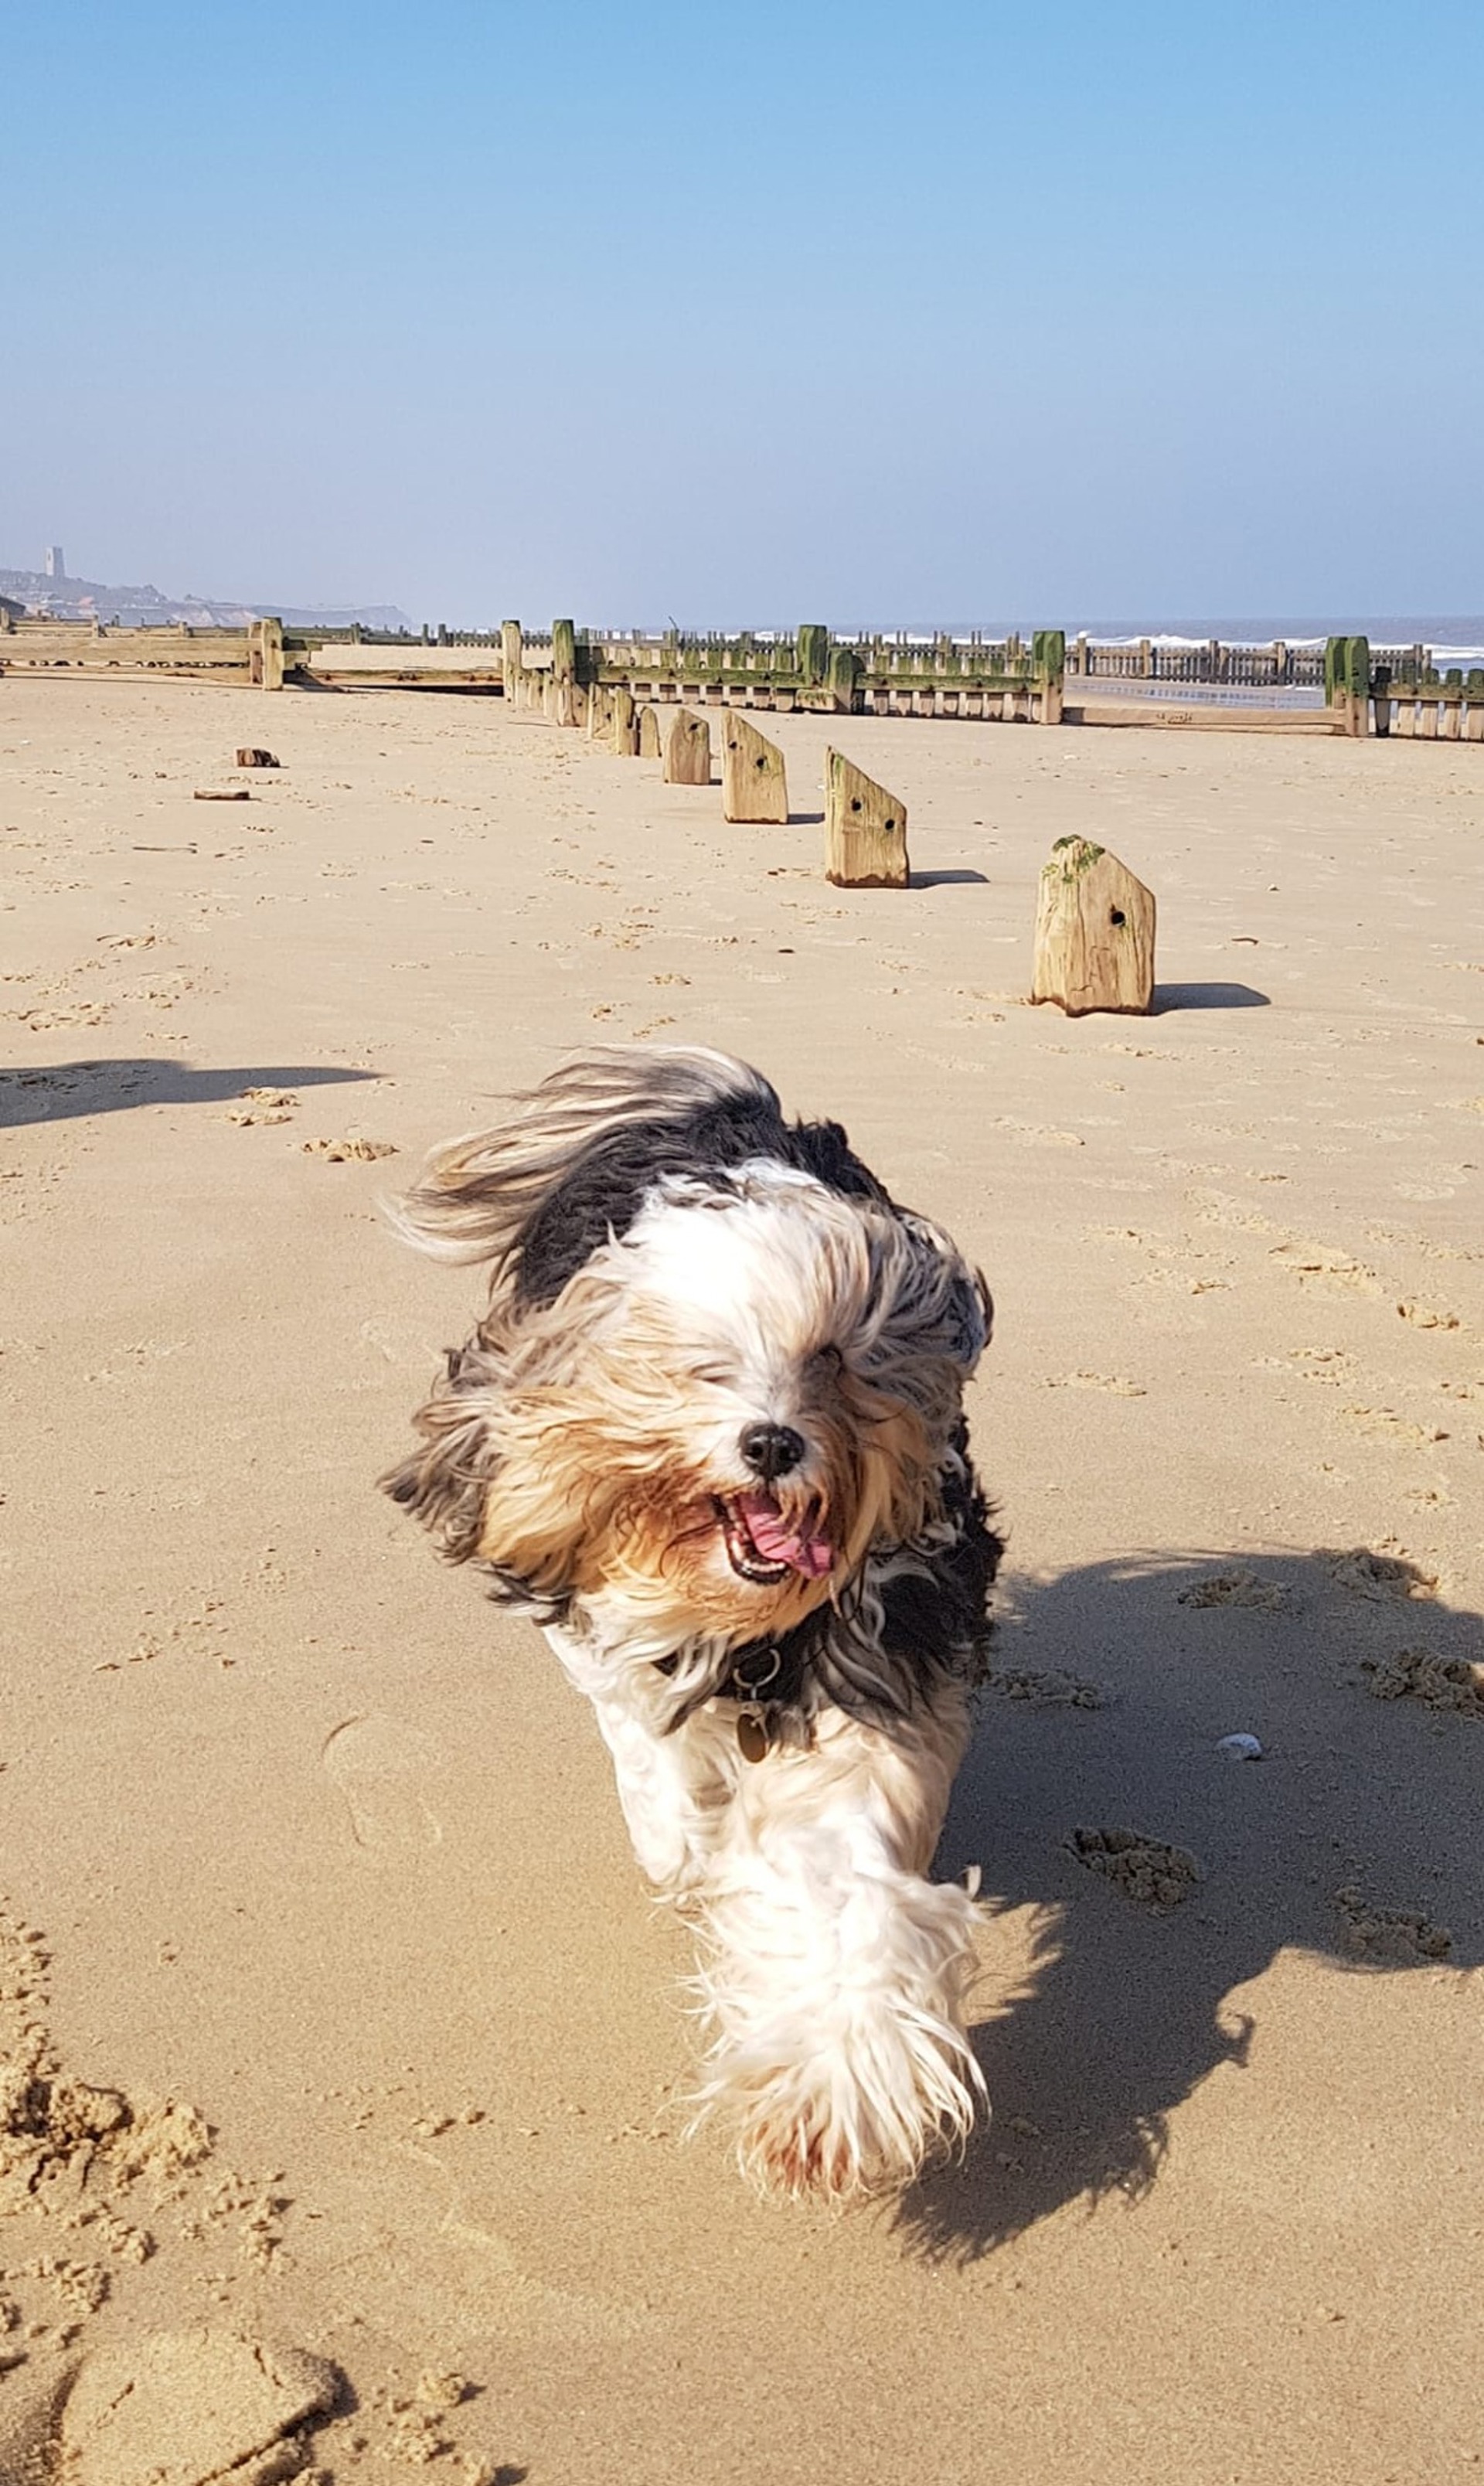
point(764, 1681)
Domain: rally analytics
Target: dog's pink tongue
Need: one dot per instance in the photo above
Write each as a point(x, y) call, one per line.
point(803, 1549)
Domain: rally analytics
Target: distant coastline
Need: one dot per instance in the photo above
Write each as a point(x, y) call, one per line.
point(61, 598)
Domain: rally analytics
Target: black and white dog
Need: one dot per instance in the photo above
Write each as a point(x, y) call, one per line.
point(709, 1436)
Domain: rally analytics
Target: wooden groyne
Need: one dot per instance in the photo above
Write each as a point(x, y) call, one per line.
point(1334, 687)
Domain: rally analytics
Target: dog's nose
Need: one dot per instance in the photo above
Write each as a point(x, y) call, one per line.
point(771, 1449)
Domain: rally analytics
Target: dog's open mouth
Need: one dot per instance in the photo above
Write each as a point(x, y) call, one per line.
point(765, 1547)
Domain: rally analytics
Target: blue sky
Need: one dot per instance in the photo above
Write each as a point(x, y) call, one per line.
point(950, 315)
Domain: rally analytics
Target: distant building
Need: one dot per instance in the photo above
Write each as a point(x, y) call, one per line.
point(11, 611)
point(55, 566)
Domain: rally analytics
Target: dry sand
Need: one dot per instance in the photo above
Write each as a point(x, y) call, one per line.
point(344, 2047)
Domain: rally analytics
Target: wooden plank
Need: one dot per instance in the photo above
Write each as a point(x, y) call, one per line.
point(864, 829)
point(650, 740)
point(754, 781)
point(1095, 932)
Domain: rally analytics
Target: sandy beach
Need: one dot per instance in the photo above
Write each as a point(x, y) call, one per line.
point(345, 2051)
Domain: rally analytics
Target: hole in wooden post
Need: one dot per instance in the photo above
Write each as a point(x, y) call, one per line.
point(759, 761)
point(891, 824)
point(1116, 915)
point(856, 803)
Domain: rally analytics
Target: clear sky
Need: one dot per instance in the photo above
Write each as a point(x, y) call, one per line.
point(904, 314)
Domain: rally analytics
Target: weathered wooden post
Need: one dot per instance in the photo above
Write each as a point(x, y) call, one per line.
point(1381, 686)
point(842, 676)
point(1048, 664)
point(650, 742)
point(512, 658)
point(563, 673)
point(864, 829)
point(599, 712)
point(1347, 682)
point(266, 658)
point(623, 729)
point(1095, 932)
point(687, 750)
point(813, 653)
point(753, 783)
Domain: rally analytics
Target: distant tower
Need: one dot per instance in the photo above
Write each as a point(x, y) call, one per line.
point(56, 567)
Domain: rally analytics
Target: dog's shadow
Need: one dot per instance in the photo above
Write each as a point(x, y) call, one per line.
point(1354, 1837)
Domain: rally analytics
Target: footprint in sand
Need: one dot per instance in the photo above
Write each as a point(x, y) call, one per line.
point(1377, 1576)
point(383, 1770)
point(1146, 1869)
point(180, 2407)
point(1046, 1688)
point(1396, 1936)
point(1384, 1424)
point(1427, 1315)
point(1118, 1385)
point(1235, 1588)
point(1452, 1684)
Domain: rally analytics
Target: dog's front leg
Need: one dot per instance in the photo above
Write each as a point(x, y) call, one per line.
point(670, 1790)
point(834, 1972)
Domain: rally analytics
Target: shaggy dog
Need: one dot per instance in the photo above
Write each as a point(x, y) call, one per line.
point(709, 1436)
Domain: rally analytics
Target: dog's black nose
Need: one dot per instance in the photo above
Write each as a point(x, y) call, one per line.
point(771, 1449)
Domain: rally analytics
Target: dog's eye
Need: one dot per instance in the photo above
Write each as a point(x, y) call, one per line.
point(827, 1362)
point(714, 1376)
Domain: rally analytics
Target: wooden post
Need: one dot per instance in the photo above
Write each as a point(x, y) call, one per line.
point(864, 829)
point(1094, 933)
point(753, 783)
point(1048, 657)
point(813, 652)
point(649, 744)
point(623, 727)
point(1347, 681)
point(841, 675)
point(1381, 687)
point(270, 641)
point(599, 712)
point(563, 673)
point(511, 657)
point(687, 750)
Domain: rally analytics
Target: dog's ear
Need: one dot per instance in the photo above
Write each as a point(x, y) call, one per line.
point(443, 1482)
point(574, 1155)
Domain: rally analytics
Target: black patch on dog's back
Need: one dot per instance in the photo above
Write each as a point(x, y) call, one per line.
point(607, 1187)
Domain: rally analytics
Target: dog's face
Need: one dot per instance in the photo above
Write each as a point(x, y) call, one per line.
point(718, 1415)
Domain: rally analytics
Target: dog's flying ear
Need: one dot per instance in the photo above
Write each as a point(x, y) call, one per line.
point(443, 1484)
point(476, 1199)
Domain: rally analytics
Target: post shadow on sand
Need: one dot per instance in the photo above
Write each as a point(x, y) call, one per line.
point(1197, 997)
point(61, 1090)
point(1126, 2009)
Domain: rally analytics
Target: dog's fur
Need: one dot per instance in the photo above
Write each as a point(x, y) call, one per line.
point(677, 1273)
